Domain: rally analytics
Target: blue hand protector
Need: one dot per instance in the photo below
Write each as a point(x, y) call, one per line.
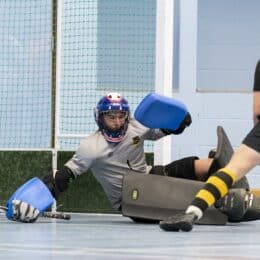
point(34, 193)
point(157, 111)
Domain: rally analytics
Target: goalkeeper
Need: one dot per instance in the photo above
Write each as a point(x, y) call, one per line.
point(114, 150)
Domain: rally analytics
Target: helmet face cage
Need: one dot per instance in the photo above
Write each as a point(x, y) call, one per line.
point(113, 102)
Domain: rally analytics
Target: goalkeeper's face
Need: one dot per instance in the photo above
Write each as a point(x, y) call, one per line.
point(115, 120)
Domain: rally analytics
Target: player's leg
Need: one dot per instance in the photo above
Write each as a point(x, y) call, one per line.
point(243, 160)
point(191, 168)
point(222, 156)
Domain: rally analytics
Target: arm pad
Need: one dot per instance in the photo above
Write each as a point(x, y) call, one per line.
point(59, 182)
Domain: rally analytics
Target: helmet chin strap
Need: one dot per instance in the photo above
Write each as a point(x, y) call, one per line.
point(111, 139)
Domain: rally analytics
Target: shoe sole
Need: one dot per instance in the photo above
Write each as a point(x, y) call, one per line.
point(183, 226)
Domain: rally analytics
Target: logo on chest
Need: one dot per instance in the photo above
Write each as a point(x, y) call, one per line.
point(136, 140)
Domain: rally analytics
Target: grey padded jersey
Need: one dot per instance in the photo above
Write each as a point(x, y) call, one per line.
point(109, 162)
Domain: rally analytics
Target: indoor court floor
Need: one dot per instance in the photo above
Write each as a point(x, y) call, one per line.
point(109, 236)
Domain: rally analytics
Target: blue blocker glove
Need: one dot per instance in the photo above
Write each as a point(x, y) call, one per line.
point(165, 113)
point(29, 201)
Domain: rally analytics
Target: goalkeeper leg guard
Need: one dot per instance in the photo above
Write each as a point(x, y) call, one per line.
point(235, 204)
point(240, 205)
point(154, 197)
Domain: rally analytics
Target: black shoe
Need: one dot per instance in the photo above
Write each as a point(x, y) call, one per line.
point(180, 221)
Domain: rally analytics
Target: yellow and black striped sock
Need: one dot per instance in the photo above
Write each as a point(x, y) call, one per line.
point(215, 188)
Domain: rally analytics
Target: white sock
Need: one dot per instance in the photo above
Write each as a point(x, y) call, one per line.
point(195, 210)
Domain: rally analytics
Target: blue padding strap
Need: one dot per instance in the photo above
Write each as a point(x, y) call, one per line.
point(33, 192)
point(157, 111)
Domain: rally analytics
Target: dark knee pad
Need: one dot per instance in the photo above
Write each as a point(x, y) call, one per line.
point(183, 168)
point(158, 170)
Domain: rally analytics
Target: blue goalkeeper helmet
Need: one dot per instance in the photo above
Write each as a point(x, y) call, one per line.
point(112, 103)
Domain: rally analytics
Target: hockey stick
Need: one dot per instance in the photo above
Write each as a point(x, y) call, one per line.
point(57, 215)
